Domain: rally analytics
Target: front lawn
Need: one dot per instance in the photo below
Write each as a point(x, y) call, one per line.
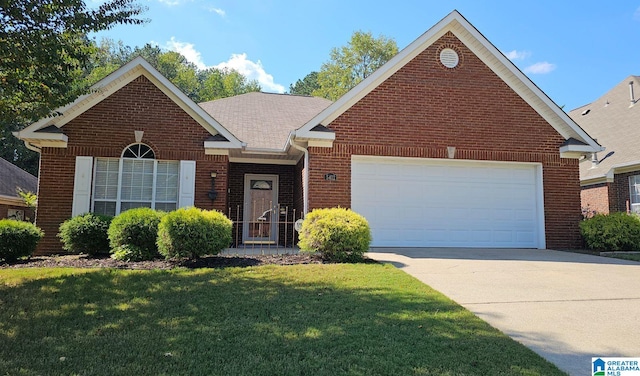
point(331, 319)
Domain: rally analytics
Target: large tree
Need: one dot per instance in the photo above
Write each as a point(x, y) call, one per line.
point(45, 49)
point(305, 86)
point(44, 52)
point(352, 63)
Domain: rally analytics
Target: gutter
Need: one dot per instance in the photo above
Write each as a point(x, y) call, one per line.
point(305, 177)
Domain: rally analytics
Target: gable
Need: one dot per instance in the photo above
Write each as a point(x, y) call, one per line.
point(480, 47)
point(138, 106)
point(39, 134)
point(425, 104)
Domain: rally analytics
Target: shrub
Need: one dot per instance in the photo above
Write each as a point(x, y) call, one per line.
point(136, 227)
point(86, 233)
point(337, 234)
point(193, 232)
point(130, 252)
point(18, 239)
point(612, 232)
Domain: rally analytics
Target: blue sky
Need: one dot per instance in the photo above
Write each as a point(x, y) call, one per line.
point(574, 51)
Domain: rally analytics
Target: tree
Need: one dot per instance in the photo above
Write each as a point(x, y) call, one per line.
point(350, 64)
point(306, 86)
point(45, 49)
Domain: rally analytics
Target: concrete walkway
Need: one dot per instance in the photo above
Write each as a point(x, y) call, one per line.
point(567, 307)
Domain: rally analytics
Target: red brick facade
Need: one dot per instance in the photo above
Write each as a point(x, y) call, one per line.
point(424, 108)
point(611, 197)
point(105, 130)
point(418, 112)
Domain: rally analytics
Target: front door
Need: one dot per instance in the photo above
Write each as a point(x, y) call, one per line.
point(260, 224)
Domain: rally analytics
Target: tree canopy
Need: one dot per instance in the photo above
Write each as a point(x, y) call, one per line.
point(352, 63)
point(305, 86)
point(45, 49)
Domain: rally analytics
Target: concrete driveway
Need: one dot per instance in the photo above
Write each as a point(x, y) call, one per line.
point(567, 307)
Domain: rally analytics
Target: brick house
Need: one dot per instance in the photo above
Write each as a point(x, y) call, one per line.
point(448, 144)
point(13, 178)
point(610, 179)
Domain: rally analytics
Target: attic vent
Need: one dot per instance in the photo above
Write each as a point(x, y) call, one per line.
point(586, 111)
point(449, 58)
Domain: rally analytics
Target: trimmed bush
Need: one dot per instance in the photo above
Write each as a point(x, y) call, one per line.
point(18, 239)
point(612, 232)
point(86, 233)
point(136, 227)
point(337, 234)
point(193, 232)
point(130, 252)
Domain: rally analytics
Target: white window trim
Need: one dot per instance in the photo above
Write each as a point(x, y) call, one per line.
point(118, 201)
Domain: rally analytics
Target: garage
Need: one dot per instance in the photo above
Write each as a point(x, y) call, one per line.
point(416, 202)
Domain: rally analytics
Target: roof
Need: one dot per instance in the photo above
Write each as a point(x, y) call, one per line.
point(491, 56)
point(43, 133)
point(13, 177)
point(616, 126)
point(264, 120)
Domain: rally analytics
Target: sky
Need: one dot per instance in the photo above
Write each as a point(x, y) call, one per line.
point(574, 51)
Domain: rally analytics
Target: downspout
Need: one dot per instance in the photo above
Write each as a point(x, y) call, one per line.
point(305, 177)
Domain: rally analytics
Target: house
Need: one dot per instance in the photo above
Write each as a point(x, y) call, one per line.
point(13, 179)
point(446, 145)
point(610, 179)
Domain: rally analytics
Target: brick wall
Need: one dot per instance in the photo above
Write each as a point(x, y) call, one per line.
point(105, 130)
point(595, 198)
point(619, 193)
point(29, 214)
point(425, 107)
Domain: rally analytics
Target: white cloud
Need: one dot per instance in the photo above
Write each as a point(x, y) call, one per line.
point(517, 55)
point(252, 70)
point(540, 68)
point(187, 50)
point(173, 2)
point(218, 11)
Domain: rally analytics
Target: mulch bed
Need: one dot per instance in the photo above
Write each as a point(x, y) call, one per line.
point(220, 261)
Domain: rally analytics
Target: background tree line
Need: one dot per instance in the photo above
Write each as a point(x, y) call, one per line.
point(47, 60)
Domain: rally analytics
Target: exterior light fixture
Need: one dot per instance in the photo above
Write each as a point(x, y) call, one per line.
point(212, 193)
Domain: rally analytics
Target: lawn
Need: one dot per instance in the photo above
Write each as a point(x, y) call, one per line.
point(331, 319)
point(625, 256)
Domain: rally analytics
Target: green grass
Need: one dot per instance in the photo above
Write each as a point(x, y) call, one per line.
point(349, 319)
point(625, 256)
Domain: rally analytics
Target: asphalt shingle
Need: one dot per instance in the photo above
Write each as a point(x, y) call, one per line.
point(264, 120)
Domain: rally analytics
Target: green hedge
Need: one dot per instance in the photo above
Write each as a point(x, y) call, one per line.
point(86, 233)
point(337, 234)
point(135, 229)
point(612, 232)
point(193, 232)
point(18, 239)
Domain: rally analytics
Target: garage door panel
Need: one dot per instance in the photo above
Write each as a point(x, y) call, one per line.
point(422, 202)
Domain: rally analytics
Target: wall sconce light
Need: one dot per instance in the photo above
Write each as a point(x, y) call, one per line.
point(212, 193)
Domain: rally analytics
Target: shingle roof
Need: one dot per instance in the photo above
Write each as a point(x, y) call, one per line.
point(264, 120)
point(12, 177)
point(615, 125)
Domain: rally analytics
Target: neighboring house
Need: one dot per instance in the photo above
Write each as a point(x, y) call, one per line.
point(13, 178)
point(610, 179)
point(447, 145)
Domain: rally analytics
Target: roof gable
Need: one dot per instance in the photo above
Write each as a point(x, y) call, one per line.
point(489, 55)
point(14, 177)
point(42, 134)
point(615, 121)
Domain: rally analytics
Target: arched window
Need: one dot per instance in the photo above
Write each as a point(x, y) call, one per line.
point(135, 180)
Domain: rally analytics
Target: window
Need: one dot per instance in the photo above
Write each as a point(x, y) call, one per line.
point(634, 193)
point(133, 181)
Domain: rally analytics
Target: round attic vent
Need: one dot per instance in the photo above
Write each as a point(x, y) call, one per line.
point(449, 58)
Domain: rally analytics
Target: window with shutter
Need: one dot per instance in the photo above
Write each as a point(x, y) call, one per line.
point(135, 180)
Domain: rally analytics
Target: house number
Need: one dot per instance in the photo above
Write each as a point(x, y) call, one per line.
point(330, 177)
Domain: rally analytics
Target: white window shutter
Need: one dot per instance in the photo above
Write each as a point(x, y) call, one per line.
point(186, 195)
point(82, 186)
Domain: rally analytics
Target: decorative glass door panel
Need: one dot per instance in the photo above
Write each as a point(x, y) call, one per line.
point(260, 209)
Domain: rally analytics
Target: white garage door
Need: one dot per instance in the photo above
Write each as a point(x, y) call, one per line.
point(413, 202)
